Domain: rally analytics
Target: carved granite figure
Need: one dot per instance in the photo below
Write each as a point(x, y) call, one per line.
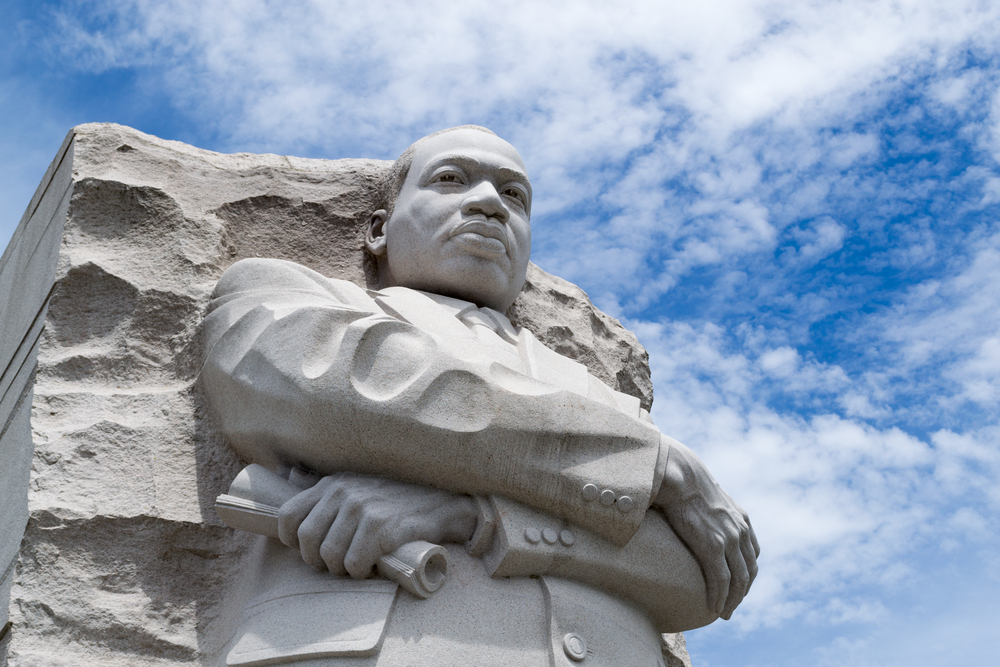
point(419, 412)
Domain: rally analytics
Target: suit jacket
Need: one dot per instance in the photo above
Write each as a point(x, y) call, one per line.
point(305, 370)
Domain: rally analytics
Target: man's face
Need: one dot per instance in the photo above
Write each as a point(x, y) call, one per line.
point(461, 225)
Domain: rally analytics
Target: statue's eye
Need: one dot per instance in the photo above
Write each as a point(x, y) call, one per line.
point(516, 194)
point(449, 177)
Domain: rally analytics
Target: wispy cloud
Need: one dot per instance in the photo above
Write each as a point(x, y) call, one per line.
point(841, 505)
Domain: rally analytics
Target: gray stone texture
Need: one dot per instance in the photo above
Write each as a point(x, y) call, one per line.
point(675, 652)
point(110, 467)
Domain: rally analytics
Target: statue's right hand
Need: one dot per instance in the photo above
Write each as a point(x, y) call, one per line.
point(346, 522)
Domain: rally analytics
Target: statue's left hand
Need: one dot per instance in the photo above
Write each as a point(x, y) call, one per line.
point(346, 522)
point(712, 525)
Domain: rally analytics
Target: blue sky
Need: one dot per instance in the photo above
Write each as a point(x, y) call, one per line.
point(794, 205)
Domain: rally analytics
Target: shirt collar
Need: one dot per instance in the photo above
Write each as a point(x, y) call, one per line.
point(462, 309)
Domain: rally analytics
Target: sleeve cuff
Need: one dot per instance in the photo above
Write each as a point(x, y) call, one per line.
point(486, 523)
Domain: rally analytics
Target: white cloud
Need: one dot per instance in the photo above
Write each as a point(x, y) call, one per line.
point(949, 323)
point(839, 505)
point(781, 362)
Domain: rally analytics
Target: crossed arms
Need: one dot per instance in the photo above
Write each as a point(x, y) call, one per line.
point(310, 372)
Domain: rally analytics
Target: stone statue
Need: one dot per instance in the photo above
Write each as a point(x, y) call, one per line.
point(576, 531)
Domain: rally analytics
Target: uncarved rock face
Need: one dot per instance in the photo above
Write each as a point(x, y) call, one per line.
point(461, 224)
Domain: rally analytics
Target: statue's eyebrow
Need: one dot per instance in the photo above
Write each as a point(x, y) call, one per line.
point(471, 163)
point(508, 174)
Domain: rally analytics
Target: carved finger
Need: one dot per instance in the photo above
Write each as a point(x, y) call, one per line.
point(313, 531)
point(368, 546)
point(717, 574)
point(753, 536)
point(750, 551)
point(294, 512)
point(739, 582)
point(339, 537)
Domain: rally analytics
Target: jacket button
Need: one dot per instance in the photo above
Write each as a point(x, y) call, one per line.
point(550, 536)
point(624, 503)
point(607, 497)
point(567, 538)
point(532, 534)
point(575, 647)
point(589, 492)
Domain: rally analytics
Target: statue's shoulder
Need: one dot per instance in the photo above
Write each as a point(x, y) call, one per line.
point(268, 275)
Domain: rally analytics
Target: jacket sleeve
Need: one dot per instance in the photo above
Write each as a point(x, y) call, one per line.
point(308, 371)
point(655, 570)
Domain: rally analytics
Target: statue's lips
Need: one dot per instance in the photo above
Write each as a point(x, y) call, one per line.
point(483, 235)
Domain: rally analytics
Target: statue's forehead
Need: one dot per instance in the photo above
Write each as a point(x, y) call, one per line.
point(472, 144)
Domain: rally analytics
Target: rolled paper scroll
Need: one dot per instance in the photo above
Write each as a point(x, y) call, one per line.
point(252, 506)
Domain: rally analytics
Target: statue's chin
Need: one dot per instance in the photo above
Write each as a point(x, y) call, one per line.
point(479, 281)
point(482, 297)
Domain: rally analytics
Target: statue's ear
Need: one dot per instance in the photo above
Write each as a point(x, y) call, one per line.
point(375, 237)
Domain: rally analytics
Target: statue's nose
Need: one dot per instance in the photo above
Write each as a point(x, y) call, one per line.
point(485, 200)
